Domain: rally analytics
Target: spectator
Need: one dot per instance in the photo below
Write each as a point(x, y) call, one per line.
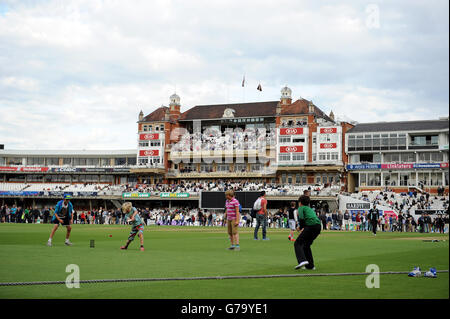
point(261, 216)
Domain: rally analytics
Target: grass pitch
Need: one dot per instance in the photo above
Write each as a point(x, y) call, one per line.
point(201, 251)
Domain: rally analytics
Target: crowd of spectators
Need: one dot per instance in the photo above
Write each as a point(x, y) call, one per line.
point(213, 140)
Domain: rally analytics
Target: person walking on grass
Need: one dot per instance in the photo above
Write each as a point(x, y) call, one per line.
point(231, 218)
point(292, 220)
point(261, 215)
point(133, 218)
point(309, 228)
point(62, 215)
point(374, 217)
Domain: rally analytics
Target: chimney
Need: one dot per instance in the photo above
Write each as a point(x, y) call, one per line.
point(331, 115)
point(311, 107)
point(174, 107)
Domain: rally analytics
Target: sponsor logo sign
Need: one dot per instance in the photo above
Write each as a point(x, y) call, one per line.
point(34, 169)
point(24, 193)
point(65, 169)
point(149, 136)
point(430, 211)
point(124, 170)
point(363, 166)
point(8, 169)
point(328, 130)
point(328, 145)
point(174, 195)
point(291, 149)
point(136, 195)
point(149, 153)
point(396, 166)
point(428, 165)
point(358, 205)
point(291, 131)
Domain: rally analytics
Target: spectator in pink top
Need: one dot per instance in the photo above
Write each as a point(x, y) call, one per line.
point(232, 217)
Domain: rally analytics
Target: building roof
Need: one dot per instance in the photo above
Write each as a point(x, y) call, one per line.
point(301, 106)
point(68, 152)
point(216, 111)
point(427, 125)
point(157, 115)
point(249, 110)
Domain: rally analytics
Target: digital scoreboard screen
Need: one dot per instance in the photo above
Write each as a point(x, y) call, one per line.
point(216, 200)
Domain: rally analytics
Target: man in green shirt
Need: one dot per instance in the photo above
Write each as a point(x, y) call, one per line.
point(309, 228)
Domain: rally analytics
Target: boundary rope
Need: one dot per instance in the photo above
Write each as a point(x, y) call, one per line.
point(33, 283)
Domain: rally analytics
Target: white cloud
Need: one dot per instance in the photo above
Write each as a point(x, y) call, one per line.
point(80, 71)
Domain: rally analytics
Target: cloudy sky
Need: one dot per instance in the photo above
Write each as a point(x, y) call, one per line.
point(75, 74)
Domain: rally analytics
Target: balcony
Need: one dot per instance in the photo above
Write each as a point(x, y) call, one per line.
point(424, 146)
point(219, 174)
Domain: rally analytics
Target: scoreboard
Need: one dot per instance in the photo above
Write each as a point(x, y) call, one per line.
point(216, 200)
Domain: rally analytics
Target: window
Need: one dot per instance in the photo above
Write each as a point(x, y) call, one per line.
point(376, 142)
point(120, 161)
point(143, 160)
point(240, 167)
point(298, 140)
point(424, 157)
point(92, 161)
point(407, 157)
point(434, 140)
point(437, 157)
point(79, 161)
point(351, 143)
point(298, 156)
point(155, 143)
point(436, 179)
point(223, 168)
point(297, 178)
point(384, 141)
point(145, 128)
point(391, 157)
point(255, 167)
point(143, 143)
point(52, 161)
point(401, 141)
point(67, 161)
point(368, 142)
point(377, 158)
point(105, 161)
point(423, 179)
point(284, 139)
point(355, 158)
point(359, 143)
point(35, 161)
point(393, 141)
point(106, 178)
point(284, 157)
point(2, 160)
point(374, 179)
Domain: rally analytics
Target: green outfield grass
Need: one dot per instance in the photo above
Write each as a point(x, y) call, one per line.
point(201, 251)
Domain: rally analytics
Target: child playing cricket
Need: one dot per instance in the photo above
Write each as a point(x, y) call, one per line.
point(133, 218)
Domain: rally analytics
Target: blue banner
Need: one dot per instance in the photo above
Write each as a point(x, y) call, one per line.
point(12, 193)
point(363, 166)
point(427, 165)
